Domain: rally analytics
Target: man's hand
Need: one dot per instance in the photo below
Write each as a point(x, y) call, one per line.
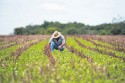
point(59, 47)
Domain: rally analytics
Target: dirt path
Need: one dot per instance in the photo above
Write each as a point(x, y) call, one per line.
point(47, 52)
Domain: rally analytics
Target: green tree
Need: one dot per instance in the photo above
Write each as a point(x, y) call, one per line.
point(51, 30)
point(116, 31)
point(19, 31)
point(72, 31)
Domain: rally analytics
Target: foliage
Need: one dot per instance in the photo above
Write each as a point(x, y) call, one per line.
point(72, 28)
point(86, 59)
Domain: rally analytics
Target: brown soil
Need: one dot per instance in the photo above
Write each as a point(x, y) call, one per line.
point(50, 56)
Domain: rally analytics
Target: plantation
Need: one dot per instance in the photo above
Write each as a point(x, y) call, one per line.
point(85, 59)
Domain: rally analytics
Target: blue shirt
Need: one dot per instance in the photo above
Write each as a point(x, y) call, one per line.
point(58, 41)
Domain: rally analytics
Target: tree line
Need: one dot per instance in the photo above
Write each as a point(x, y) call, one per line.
point(72, 28)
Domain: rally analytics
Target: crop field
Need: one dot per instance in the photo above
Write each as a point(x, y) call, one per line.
point(85, 59)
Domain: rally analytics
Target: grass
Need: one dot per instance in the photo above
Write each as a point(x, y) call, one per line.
point(34, 66)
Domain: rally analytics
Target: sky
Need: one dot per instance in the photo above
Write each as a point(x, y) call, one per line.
point(20, 13)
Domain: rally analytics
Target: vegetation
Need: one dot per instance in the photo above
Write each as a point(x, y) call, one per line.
point(86, 59)
point(72, 28)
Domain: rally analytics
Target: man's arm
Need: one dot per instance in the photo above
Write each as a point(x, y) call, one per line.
point(63, 42)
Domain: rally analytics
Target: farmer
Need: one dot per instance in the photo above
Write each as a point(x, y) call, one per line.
point(57, 41)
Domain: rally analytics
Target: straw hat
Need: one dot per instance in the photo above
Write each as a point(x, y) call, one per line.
point(56, 34)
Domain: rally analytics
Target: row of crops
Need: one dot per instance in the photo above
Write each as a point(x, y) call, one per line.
point(86, 59)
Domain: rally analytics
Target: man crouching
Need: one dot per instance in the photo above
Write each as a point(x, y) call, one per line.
point(57, 41)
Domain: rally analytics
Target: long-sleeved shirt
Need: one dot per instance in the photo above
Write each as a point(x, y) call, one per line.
point(58, 41)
